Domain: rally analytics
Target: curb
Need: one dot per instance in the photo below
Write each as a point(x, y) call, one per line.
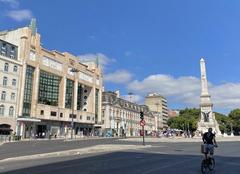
point(81, 151)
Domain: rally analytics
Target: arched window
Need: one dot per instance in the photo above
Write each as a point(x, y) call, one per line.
point(11, 111)
point(14, 82)
point(2, 110)
point(15, 68)
point(5, 81)
point(3, 96)
point(6, 67)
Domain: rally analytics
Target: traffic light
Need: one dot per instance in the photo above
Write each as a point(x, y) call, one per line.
point(141, 115)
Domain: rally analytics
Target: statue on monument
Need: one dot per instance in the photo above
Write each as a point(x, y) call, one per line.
point(206, 116)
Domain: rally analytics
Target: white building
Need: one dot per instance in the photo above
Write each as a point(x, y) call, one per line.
point(10, 68)
point(119, 115)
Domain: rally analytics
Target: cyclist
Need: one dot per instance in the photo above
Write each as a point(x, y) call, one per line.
point(209, 143)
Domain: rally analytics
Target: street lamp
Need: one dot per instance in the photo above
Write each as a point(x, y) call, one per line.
point(131, 129)
point(74, 71)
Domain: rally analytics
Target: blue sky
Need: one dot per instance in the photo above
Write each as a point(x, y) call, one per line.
point(145, 45)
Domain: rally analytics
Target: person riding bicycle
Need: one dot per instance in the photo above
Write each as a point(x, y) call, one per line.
point(209, 143)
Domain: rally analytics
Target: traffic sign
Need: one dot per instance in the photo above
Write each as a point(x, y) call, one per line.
point(142, 123)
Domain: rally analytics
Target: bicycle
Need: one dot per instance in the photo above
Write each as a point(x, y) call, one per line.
point(207, 164)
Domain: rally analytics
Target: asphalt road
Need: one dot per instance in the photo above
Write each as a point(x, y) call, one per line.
point(169, 158)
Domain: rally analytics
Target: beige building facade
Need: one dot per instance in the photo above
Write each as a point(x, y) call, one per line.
point(158, 104)
point(121, 116)
point(57, 91)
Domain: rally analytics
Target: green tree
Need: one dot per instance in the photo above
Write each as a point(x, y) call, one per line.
point(187, 119)
point(234, 117)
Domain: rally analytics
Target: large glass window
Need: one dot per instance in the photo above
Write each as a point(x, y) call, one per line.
point(79, 97)
point(48, 88)
point(28, 91)
point(96, 104)
point(3, 96)
point(4, 81)
point(69, 93)
point(2, 108)
point(6, 67)
point(11, 111)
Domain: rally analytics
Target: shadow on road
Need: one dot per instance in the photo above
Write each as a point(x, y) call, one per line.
point(134, 162)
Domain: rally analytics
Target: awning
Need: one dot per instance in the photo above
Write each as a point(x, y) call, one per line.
point(28, 119)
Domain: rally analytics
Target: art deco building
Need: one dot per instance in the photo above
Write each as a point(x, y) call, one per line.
point(120, 115)
point(158, 104)
point(57, 91)
point(10, 68)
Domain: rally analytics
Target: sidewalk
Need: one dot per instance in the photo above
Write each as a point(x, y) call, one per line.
point(59, 138)
point(180, 139)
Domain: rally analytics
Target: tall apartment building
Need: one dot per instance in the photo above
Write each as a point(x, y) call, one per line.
point(119, 115)
point(158, 105)
point(51, 95)
point(10, 68)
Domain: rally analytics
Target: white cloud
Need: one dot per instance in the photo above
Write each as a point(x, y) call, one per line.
point(133, 98)
point(103, 59)
point(119, 77)
point(186, 90)
point(20, 15)
point(11, 3)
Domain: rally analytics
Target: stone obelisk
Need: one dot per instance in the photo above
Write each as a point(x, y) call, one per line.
point(207, 119)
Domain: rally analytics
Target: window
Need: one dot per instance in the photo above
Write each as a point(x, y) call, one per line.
point(4, 46)
point(13, 96)
point(2, 108)
point(14, 82)
point(3, 49)
point(85, 103)
point(61, 114)
point(85, 91)
point(42, 112)
point(11, 111)
point(4, 81)
point(85, 97)
point(6, 67)
point(80, 117)
point(74, 115)
point(53, 113)
point(48, 88)
point(3, 96)
point(15, 68)
point(85, 109)
point(79, 97)
point(69, 93)
point(27, 99)
point(88, 118)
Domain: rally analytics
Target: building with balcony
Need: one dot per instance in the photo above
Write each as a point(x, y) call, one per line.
point(121, 116)
point(10, 68)
point(158, 104)
point(53, 98)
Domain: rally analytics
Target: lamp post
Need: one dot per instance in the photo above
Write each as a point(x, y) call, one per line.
point(130, 99)
point(74, 71)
